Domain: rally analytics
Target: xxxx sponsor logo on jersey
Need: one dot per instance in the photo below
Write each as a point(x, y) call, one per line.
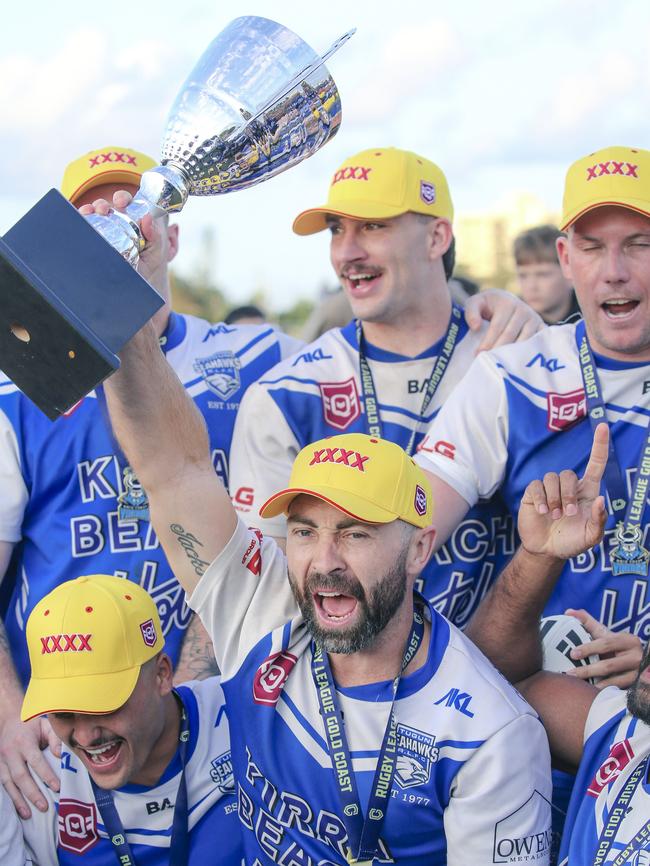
point(564, 410)
point(221, 373)
point(525, 835)
point(340, 403)
point(416, 755)
point(77, 825)
point(221, 773)
point(271, 676)
point(619, 757)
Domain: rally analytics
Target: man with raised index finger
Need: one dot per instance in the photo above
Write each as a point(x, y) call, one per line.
point(524, 410)
point(602, 735)
point(365, 728)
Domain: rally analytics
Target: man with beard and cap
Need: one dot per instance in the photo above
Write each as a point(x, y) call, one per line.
point(602, 735)
point(145, 770)
point(389, 217)
point(364, 726)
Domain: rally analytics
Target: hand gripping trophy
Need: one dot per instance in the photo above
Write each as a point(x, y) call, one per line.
point(258, 101)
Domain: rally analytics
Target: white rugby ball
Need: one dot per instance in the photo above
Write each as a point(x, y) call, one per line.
point(560, 634)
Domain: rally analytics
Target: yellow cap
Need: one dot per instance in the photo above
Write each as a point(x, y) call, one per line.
point(381, 183)
point(372, 480)
point(87, 640)
point(614, 175)
point(110, 164)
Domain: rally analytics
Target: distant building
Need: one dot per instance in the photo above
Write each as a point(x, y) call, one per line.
point(484, 239)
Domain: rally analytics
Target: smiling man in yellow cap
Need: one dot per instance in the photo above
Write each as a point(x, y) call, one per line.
point(145, 771)
point(347, 692)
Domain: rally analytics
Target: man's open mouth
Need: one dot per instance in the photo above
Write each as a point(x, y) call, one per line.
point(335, 608)
point(619, 308)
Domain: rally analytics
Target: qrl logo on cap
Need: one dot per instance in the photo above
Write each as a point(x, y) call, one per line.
point(427, 192)
point(271, 676)
point(148, 630)
point(420, 501)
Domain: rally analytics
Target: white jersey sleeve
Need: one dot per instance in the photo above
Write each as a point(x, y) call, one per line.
point(12, 846)
point(40, 831)
point(482, 829)
point(261, 456)
point(467, 443)
point(14, 493)
point(243, 595)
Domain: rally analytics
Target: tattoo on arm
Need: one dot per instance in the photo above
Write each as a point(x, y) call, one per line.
point(189, 544)
point(197, 661)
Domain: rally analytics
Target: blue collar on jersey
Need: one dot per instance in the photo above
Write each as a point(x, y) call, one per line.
point(363, 833)
point(180, 843)
point(174, 333)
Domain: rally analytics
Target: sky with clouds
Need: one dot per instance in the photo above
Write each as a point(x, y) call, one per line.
point(503, 95)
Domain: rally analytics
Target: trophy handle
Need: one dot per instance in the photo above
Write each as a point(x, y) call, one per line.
point(302, 75)
point(163, 189)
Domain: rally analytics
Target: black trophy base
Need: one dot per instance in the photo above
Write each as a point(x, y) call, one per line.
point(68, 304)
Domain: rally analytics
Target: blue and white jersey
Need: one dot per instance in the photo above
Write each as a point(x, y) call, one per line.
point(60, 480)
point(607, 806)
point(72, 827)
point(317, 393)
point(519, 413)
point(472, 779)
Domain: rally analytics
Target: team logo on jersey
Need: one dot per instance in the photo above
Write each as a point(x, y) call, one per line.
point(77, 826)
point(222, 774)
point(133, 502)
point(629, 556)
point(271, 676)
point(563, 410)
point(427, 192)
point(221, 373)
point(619, 757)
point(340, 403)
point(148, 630)
point(416, 755)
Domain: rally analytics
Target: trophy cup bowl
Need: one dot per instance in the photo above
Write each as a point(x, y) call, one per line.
point(258, 101)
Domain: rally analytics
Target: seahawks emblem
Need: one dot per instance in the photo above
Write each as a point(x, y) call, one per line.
point(221, 773)
point(416, 754)
point(221, 373)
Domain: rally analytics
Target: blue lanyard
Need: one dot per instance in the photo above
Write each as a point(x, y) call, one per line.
point(180, 840)
point(596, 412)
point(363, 833)
point(373, 421)
point(616, 815)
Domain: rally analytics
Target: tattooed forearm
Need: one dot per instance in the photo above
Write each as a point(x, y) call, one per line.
point(197, 661)
point(189, 544)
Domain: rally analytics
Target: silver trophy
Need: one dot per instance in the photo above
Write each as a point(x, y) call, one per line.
point(258, 101)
